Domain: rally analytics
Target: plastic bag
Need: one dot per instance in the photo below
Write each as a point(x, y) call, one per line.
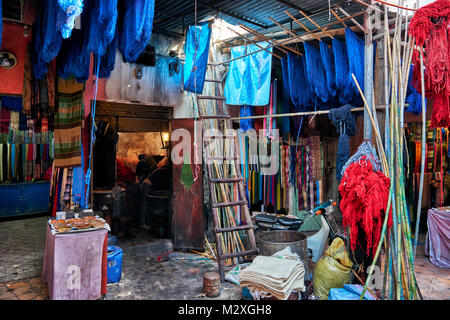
point(349, 292)
point(333, 270)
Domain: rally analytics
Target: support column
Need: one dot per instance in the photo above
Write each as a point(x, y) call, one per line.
point(368, 73)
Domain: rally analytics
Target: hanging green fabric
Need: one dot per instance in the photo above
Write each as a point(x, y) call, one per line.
point(187, 178)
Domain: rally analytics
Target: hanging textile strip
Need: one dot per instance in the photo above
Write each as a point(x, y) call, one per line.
point(68, 122)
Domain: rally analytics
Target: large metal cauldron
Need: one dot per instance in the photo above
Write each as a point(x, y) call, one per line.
point(270, 242)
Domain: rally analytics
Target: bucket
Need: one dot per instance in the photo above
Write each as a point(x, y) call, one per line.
point(270, 242)
point(114, 264)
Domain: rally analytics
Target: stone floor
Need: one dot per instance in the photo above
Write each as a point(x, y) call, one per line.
point(150, 268)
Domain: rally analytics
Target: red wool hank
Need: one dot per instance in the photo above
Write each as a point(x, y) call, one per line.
point(365, 195)
point(430, 29)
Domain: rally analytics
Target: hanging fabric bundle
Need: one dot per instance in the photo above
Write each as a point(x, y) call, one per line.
point(355, 54)
point(364, 200)
point(72, 9)
point(47, 38)
point(74, 58)
point(196, 49)
point(367, 152)
point(413, 98)
point(286, 102)
point(328, 63)
point(344, 121)
point(136, 28)
point(316, 72)
point(429, 28)
point(302, 96)
point(342, 76)
point(108, 60)
point(99, 21)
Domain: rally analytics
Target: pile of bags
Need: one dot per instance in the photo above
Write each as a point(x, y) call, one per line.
point(275, 276)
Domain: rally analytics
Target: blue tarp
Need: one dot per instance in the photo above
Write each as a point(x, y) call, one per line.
point(349, 292)
point(196, 50)
point(248, 80)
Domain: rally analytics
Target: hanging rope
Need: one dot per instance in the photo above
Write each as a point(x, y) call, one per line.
point(88, 172)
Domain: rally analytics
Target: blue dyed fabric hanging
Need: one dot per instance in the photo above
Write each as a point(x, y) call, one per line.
point(72, 9)
point(136, 28)
point(74, 58)
point(316, 72)
point(248, 80)
point(196, 50)
point(328, 63)
point(413, 98)
point(355, 54)
point(12, 103)
point(47, 38)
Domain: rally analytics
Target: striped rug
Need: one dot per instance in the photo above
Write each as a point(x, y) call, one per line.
point(68, 121)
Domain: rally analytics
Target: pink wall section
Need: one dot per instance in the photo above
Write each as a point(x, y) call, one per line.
point(89, 89)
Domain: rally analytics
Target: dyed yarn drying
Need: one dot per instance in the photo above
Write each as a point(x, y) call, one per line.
point(73, 59)
point(328, 63)
point(72, 9)
point(316, 72)
point(136, 28)
point(429, 28)
point(365, 195)
point(342, 77)
point(355, 54)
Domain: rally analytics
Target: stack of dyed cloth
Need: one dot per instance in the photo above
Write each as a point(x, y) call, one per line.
point(273, 276)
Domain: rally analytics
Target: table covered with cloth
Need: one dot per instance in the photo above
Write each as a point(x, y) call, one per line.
point(75, 264)
point(437, 243)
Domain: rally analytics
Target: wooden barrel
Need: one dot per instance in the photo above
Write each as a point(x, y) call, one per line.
point(211, 284)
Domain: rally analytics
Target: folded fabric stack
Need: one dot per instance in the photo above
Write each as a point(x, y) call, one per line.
point(273, 276)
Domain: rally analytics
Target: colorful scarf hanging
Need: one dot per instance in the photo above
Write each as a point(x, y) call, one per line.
point(68, 122)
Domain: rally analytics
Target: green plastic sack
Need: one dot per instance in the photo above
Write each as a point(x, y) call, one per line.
point(333, 269)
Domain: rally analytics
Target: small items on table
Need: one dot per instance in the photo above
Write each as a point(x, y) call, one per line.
point(75, 258)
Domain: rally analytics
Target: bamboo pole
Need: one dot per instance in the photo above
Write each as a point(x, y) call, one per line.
point(275, 55)
point(314, 23)
point(289, 32)
point(301, 25)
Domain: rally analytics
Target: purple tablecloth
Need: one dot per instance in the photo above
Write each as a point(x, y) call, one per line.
point(73, 265)
point(437, 244)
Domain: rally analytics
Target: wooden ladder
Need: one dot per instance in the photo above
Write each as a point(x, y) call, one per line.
point(225, 179)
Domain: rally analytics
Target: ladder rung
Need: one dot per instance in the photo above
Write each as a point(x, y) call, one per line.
point(244, 227)
point(238, 254)
point(215, 116)
point(224, 158)
point(226, 180)
point(213, 80)
point(211, 98)
point(229, 204)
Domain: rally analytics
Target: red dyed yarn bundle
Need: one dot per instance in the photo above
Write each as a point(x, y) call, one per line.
point(429, 28)
point(365, 195)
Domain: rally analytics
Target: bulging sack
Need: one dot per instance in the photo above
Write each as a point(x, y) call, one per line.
point(333, 270)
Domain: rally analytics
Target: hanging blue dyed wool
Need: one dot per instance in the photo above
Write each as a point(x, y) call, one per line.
point(316, 72)
point(136, 28)
point(328, 63)
point(72, 9)
point(286, 101)
point(196, 50)
point(299, 87)
point(108, 60)
point(355, 54)
point(343, 79)
point(99, 19)
point(74, 58)
point(47, 38)
point(413, 98)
